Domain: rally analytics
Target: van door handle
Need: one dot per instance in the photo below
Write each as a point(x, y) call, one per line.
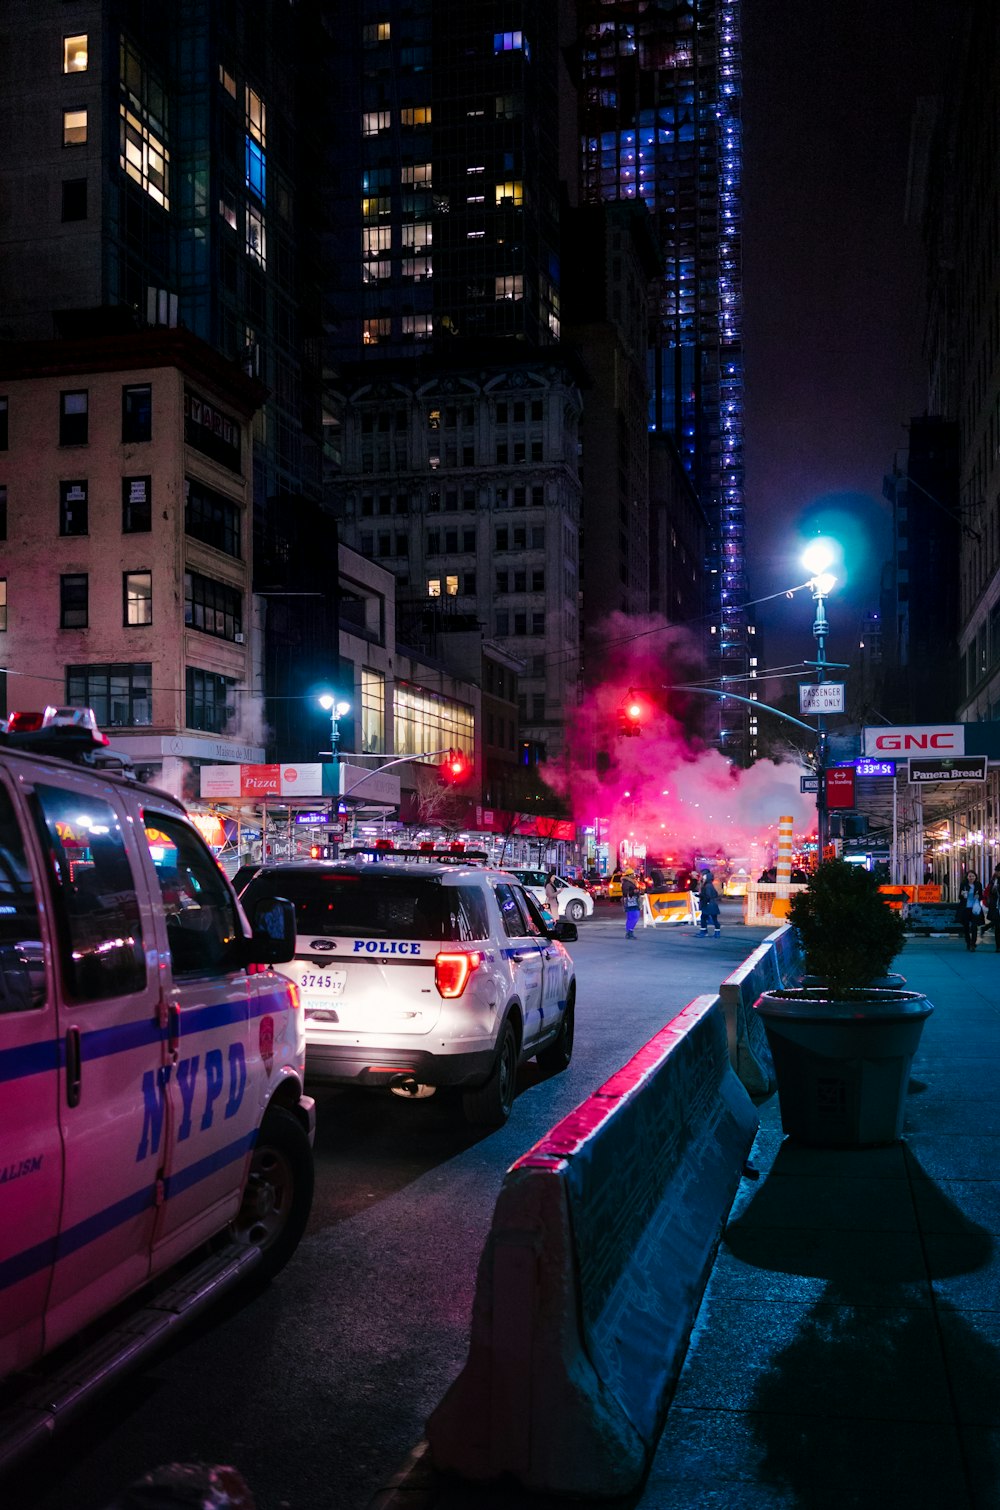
point(174, 1029)
point(73, 1067)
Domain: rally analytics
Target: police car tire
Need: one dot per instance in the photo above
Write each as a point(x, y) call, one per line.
point(575, 910)
point(557, 1055)
point(490, 1105)
point(282, 1159)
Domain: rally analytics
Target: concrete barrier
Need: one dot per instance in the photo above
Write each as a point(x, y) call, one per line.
point(601, 1244)
point(668, 907)
point(774, 963)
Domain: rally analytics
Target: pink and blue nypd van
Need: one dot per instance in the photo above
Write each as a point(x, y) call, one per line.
point(151, 1062)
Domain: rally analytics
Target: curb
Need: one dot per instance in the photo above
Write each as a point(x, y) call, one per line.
point(414, 1485)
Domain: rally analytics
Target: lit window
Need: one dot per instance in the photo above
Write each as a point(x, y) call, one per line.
point(511, 191)
point(418, 267)
point(375, 239)
point(376, 31)
point(374, 121)
point(3, 602)
point(417, 234)
point(138, 597)
point(256, 116)
point(74, 54)
point(434, 587)
point(510, 286)
point(144, 157)
point(511, 41)
point(227, 80)
point(256, 170)
point(480, 168)
point(375, 331)
point(376, 272)
point(417, 326)
point(74, 128)
point(417, 115)
point(256, 236)
point(227, 208)
point(375, 205)
point(475, 199)
point(451, 587)
point(417, 173)
point(474, 235)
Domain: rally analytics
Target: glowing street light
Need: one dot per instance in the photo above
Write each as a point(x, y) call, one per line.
point(817, 558)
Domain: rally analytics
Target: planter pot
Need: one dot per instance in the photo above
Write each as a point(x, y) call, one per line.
point(843, 1066)
point(890, 982)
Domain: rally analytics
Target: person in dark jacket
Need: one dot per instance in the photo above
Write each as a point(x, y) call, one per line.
point(630, 902)
point(970, 908)
point(708, 901)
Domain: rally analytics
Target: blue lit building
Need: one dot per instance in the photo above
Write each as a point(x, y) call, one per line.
point(660, 121)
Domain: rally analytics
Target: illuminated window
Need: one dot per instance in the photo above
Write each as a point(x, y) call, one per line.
point(142, 136)
point(510, 286)
point(376, 272)
point(374, 121)
point(479, 168)
point(434, 587)
point(256, 116)
point(475, 199)
point(256, 236)
point(372, 711)
point(137, 591)
point(417, 173)
point(374, 331)
point(425, 721)
point(511, 41)
point(418, 268)
point(74, 128)
point(417, 326)
point(256, 170)
point(3, 602)
point(227, 80)
point(376, 205)
point(510, 192)
point(451, 587)
point(417, 234)
point(375, 239)
point(416, 115)
point(74, 54)
point(375, 32)
point(227, 207)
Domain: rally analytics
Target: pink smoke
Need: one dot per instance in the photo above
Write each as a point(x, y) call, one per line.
point(667, 788)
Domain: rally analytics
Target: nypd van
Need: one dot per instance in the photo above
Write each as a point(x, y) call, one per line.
point(151, 1063)
point(423, 971)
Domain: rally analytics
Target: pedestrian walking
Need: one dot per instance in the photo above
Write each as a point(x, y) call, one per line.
point(970, 908)
point(993, 905)
point(552, 894)
point(708, 901)
point(630, 902)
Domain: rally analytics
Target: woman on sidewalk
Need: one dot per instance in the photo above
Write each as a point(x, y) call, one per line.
point(970, 908)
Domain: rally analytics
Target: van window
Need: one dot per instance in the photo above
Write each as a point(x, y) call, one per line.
point(203, 930)
point(100, 929)
point(22, 958)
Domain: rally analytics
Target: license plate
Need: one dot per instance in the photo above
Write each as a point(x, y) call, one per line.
point(321, 986)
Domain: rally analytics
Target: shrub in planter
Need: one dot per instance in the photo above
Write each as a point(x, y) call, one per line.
point(850, 935)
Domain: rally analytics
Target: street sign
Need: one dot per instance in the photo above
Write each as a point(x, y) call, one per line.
point(821, 697)
point(311, 820)
point(866, 767)
point(808, 783)
point(962, 768)
point(334, 832)
point(840, 786)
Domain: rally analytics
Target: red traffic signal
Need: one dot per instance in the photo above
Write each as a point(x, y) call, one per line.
point(630, 715)
point(454, 767)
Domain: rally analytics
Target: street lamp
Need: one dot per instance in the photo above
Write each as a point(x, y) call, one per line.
point(336, 707)
point(817, 558)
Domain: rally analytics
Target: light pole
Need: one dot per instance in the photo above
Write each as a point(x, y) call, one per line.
point(817, 558)
point(336, 707)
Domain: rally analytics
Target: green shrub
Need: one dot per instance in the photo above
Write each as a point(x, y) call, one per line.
point(849, 933)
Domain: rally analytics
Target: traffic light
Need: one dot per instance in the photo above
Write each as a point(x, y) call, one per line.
point(630, 716)
point(454, 767)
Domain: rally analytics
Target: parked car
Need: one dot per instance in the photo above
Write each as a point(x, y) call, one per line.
point(419, 972)
point(575, 902)
point(152, 1063)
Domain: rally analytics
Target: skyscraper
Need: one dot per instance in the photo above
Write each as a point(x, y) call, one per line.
point(660, 118)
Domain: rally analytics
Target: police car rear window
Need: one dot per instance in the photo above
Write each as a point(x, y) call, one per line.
point(378, 906)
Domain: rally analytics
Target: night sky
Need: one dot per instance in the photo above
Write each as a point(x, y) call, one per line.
point(833, 281)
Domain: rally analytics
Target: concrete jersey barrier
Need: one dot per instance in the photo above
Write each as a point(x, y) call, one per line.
point(600, 1247)
point(774, 963)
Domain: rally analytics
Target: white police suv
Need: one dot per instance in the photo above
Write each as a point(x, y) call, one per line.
point(417, 972)
point(151, 1066)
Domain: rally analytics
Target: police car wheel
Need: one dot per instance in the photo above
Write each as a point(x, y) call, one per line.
point(278, 1194)
point(490, 1105)
point(575, 910)
point(559, 1053)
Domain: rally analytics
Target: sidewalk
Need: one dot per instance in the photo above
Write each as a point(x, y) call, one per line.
point(847, 1350)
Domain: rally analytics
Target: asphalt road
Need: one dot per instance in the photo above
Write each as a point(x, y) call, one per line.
point(317, 1388)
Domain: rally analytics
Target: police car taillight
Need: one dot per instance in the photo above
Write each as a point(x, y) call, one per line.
point(453, 971)
point(22, 723)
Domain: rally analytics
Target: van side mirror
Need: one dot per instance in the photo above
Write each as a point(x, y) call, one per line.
point(273, 922)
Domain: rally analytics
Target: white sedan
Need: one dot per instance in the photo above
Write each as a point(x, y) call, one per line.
point(574, 902)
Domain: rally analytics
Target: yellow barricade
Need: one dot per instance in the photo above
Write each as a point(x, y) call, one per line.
point(898, 897)
point(668, 907)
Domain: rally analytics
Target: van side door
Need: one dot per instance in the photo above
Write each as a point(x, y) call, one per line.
point(110, 1041)
point(524, 941)
point(201, 1123)
point(30, 1141)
